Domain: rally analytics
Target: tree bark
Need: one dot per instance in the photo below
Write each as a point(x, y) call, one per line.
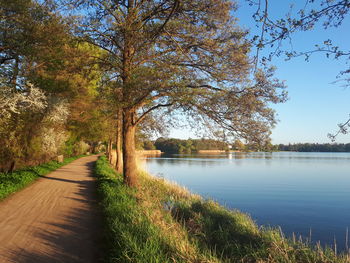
point(109, 149)
point(15, 73)
point(129, 153)
point(12, 166)
point(119, 153)
point(128, 114)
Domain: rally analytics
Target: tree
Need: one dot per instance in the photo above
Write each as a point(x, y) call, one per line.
point(46, 81)
point(238, 145)
point(24, 42)
point(86, 121)
point(182, 56)
point(328, 13)
point(31, 38)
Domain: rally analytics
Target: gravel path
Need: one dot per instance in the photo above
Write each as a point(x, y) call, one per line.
point(53, 220)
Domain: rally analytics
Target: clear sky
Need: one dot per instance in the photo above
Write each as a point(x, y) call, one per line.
point(316, 104)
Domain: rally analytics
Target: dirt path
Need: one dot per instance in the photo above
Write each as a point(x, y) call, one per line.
point(53, 220)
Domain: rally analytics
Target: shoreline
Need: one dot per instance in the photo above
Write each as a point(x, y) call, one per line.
point(194, 229)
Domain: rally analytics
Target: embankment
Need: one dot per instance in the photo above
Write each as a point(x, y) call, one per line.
point(162, 222)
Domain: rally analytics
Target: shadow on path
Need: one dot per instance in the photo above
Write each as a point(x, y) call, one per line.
point(72, 237)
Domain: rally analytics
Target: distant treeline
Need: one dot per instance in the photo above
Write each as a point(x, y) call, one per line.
point(187, 146)
point(315, 147)
point(171, 145)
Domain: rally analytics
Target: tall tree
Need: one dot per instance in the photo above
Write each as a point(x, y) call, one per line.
point(181, 55)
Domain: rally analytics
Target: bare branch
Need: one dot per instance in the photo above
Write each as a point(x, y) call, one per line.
point(143, 115)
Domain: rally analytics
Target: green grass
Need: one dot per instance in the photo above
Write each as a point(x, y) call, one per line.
point(130, 236)
point(17, 180)
point(162, 222)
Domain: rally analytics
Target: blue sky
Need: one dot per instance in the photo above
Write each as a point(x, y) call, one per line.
point(316, 103)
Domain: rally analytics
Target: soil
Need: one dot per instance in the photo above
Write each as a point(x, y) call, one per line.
point(56, 219)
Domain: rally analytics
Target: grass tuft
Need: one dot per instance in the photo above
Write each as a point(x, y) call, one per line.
point(130, 236)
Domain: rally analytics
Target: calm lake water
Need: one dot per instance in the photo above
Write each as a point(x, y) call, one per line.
point(296, 191)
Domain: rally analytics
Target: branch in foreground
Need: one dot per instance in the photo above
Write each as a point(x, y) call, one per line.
point(343, 129)
point(151, 109)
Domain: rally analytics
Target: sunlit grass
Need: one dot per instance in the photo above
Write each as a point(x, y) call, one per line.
point(162, 222)
point(13, 182)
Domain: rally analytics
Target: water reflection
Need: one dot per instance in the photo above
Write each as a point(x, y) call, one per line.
point(297, 191)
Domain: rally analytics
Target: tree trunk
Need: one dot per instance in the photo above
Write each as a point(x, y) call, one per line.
point(91, 149)
point(12, 166)
point(15, 73)
point(129, 153)
point(128, 114)
point(119, 153)
point(109, 150)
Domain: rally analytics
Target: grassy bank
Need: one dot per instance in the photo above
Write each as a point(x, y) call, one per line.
point(12, 182)
point(163, 223)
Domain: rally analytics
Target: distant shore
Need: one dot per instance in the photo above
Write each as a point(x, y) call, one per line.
point(149, 152)
point(210, 151)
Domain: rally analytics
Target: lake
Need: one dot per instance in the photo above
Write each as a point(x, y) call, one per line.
point(300, 192)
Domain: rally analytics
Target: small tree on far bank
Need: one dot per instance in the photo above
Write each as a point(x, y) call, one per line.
point(238, 145)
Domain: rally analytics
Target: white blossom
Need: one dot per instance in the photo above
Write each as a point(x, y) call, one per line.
point(58, 112)
point(32, 99)
point(52, 140)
